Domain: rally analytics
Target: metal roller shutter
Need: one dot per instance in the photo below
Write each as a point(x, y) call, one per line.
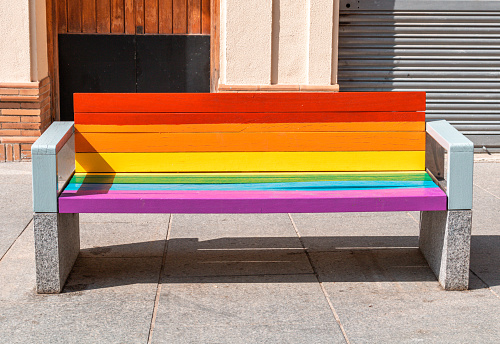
point(449, 49)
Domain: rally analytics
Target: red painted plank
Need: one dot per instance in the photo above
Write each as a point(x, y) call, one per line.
point(231, 117)
point(249, 102)
point(418, 199)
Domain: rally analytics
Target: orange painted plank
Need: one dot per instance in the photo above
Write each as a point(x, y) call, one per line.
point(74, 16)
point(216, 118)
point(253, 127)
point(249, 102)
point(194, 16)
point(151, 16)
point(179, 16)
point(62, 16)
point(249, 142)
point(129, 17)
point(103, 9)
point(117, 16)
point(165, 16)
point(205, 17)
point(139, 16)
point(88, 17)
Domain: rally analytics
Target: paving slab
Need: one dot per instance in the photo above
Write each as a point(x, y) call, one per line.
point(232, 244)
point(245, 309)
point(487, 176)
point(15, 202)
point(330, 231)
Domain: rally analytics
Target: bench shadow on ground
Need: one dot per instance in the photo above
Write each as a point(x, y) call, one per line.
point(273, 260)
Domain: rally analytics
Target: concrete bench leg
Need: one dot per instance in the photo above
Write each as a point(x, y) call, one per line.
point(57, 244)
point(445, 243)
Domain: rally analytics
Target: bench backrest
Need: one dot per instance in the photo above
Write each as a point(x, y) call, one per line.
point(234, 132)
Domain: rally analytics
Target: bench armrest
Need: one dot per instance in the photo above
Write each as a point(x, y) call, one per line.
point(53, 164)
point(457, 183)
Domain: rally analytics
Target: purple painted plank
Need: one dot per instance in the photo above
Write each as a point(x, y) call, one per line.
point(203, 202)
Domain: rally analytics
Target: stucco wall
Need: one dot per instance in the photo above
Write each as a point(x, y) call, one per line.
point(278, 42)
point(23, 41)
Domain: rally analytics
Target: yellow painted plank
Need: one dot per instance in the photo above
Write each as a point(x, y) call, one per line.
point(250, 161)
point(253, 127)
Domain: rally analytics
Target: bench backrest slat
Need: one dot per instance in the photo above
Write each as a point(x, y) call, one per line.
point(224, 132)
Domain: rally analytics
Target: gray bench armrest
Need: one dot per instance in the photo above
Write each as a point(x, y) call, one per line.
point(443, 136)
point(53, 163)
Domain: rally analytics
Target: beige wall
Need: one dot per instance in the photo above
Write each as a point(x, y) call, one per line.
point(23, 41)
point(278, 42)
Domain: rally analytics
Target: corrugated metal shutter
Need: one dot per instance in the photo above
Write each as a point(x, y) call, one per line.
point(450, 49)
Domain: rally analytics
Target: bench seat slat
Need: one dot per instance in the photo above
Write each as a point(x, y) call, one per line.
point(249, 102)
point(251, 161)
point(417, 199)
point(252, 127)
point(235, 178)
point(170, 117)
point(249, 142)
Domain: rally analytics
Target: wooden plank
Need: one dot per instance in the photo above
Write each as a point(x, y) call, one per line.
point(74, 16)
point(139, 16)
point(103, 9)
point(246, 118)
point(250, 102)
point(214, 45)
point(274, 186)
point(117, 16)
point(241, 177)
point(250, 142)
point(179, 24)
point(419, 199)
point(205, 17)
point(62, 16)
point(253, 127)
point(250, 161)
point(129, 17)
point(165, 16)
point(89, 23)
point(194, 16)
point(151, 16)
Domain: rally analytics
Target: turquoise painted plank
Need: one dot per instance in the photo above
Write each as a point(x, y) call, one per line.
point(310, 186)
point(208, 178)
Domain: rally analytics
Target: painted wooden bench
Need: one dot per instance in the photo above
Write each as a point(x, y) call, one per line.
point(252, 153)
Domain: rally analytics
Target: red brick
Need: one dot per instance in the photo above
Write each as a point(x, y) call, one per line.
point(9, 154)
point(26, 155)
point(34, 84)
point(2, 152)
point(21, 112)
point(18, 139)
point(29, 92)
point(31, 119)
point(10, 119)
point(26, 147)
point(21, 126)
point(17, 152)
point(9, 132)
point(9, 91)
point(10, 105)
point(31, 132)
point(30, 105)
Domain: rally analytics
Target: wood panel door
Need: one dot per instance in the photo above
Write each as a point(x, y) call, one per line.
point(134, 16)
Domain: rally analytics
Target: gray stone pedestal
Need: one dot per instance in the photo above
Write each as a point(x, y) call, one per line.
point(57, 244)
point(445, 243)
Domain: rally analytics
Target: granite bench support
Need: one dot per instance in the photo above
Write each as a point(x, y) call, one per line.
point(444, 235)
point(57, 236)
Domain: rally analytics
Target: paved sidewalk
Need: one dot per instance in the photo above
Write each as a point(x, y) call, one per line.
point(248, 278)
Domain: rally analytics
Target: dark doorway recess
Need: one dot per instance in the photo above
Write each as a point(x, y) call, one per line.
point(130, 64)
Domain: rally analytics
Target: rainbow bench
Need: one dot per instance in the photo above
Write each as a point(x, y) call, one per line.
point(252, 153)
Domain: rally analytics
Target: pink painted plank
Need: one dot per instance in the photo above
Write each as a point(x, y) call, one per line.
point(203, 202)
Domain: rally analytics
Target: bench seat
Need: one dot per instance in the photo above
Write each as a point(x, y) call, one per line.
point(251, 192)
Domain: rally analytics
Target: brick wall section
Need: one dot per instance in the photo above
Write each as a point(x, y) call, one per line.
point(24, 116)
